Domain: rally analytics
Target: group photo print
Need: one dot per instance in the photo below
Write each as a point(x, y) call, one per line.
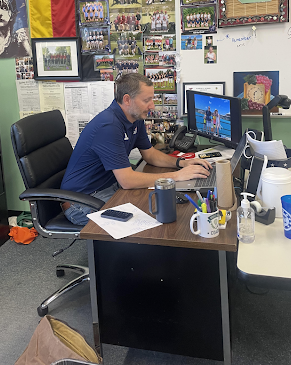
point(162, 78)
point(153, 43)
point(159, 19)
point(125, 19)
point(151, 59)
point(126, 43)
point(198, 19)
point(106, 75)
point(127, 3)
point(57, 58)
point(125, 66)
point(103, 61)
point(94, 12)
point(95, 39)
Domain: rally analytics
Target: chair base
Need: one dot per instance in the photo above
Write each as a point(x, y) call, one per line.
point(83, 272)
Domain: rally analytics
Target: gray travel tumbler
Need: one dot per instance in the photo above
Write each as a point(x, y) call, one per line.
point(165, 198)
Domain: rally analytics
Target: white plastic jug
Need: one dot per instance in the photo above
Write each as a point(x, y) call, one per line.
point(276, 182)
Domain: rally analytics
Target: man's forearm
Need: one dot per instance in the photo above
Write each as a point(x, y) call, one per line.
point(157, 158)
point(136, 179)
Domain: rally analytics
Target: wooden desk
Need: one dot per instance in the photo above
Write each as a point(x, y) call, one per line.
point(163, 289)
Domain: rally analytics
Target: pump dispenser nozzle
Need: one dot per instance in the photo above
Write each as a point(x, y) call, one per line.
point(245, 202)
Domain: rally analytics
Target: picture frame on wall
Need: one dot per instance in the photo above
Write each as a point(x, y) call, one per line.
point(205, 87)
point(242, 12)
point(255, 89)
point(56, 58)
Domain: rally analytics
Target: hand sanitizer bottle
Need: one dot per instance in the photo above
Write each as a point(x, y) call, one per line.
point(246, 220)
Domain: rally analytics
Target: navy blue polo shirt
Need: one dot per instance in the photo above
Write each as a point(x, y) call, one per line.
point(103, 146)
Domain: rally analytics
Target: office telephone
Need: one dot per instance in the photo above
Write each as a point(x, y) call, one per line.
point(183, 139)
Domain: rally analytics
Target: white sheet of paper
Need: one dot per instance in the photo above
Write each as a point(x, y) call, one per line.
point(28, 96)
point(75, 123)
point(101, 95)
point(51, 95)
point(138, 223)
point(274, 150)
point(76, 98)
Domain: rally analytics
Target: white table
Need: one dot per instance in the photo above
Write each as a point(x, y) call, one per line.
point(267, 261)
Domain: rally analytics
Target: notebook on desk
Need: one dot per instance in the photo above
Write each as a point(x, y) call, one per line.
point(203, 185)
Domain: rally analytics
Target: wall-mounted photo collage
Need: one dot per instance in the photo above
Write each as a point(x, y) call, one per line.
point(130, 36)
point(160, 124)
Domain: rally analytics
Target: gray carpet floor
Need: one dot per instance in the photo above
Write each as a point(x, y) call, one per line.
point(261, 324)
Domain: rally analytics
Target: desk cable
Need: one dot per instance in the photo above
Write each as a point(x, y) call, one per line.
point(62, 249)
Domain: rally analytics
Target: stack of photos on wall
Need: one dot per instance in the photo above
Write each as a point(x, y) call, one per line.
point(198, 17)
point(24, 68)
point(160, 124)
point(95, 31)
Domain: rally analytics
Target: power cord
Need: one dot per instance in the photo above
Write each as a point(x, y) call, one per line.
point(56, 253)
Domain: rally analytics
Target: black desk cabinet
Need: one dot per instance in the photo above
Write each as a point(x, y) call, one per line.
point(150, 297)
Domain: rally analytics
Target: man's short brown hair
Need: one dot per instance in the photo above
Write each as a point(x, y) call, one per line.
point(130, 84)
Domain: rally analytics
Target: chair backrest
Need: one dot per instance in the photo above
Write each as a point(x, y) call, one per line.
point(42, 152)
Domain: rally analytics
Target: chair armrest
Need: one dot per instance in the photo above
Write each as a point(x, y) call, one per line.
point(61, 196)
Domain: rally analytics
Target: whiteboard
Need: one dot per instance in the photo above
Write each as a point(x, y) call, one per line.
point(239, 49)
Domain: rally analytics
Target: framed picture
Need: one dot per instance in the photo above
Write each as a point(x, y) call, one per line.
point(199, 19)
point(205, 87)
point(56, 58)
point(255, 89)
point(236, 12)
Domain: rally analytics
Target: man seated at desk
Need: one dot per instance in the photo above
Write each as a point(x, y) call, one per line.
point(99, 164)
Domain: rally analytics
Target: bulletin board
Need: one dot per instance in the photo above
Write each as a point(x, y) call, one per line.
point(254, 47)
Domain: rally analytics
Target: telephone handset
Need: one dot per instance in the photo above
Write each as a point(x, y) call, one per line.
point(183, 140)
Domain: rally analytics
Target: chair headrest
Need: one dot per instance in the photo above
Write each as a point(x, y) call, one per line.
point(38, 130)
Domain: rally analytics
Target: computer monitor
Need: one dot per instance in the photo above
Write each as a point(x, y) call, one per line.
point(216, 117)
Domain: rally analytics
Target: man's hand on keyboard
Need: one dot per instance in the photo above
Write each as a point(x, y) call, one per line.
point(192, 171)
point(196, 161)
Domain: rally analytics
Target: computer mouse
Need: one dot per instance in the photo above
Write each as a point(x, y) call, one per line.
point(180, 198)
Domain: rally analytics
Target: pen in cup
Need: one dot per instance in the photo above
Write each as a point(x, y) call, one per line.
point(207, 205)
point(204, 208)
point(192, 201)
point(199, 195)
point(215, 192)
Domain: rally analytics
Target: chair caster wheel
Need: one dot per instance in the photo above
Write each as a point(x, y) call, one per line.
point(42, 311)
point(60, 272)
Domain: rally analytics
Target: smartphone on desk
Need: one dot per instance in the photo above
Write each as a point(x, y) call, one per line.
point(116, 215)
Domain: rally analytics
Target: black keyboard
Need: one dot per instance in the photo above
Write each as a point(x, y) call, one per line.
point(209, 182)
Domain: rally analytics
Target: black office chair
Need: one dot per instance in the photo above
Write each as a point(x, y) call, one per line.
point(42, 152)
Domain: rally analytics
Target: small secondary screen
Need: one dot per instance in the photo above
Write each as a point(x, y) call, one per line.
point(213, 116)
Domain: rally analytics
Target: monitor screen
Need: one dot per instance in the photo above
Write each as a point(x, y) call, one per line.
point(216, 117)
